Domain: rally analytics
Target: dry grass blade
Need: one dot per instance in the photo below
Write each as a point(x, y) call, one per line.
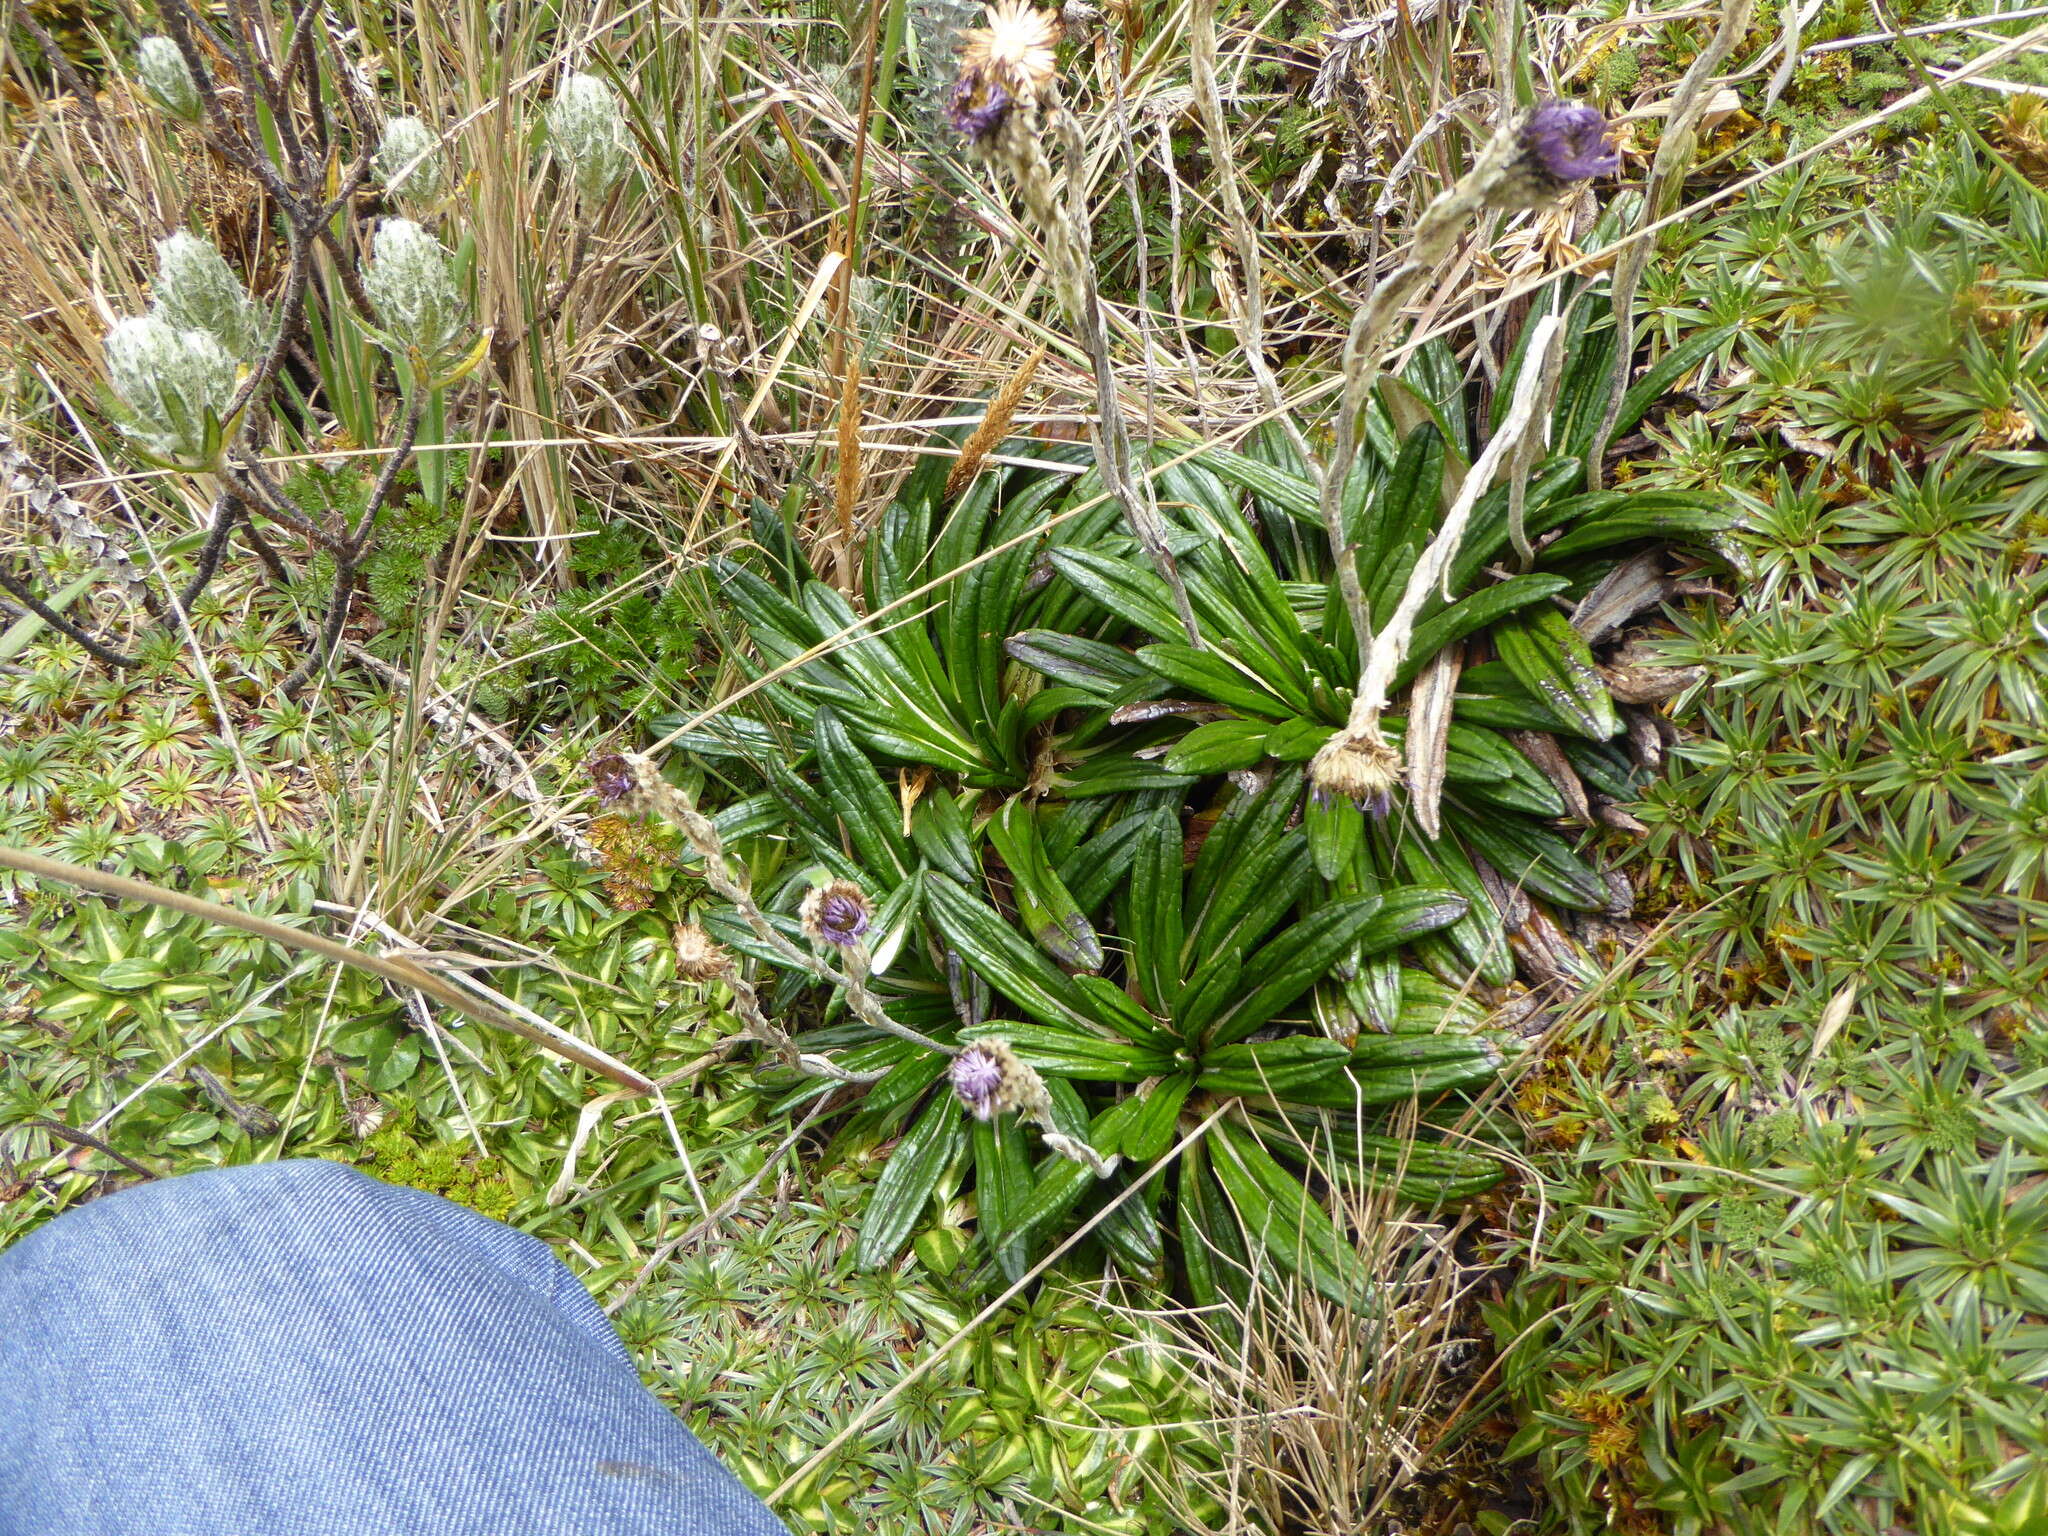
point(403, 972)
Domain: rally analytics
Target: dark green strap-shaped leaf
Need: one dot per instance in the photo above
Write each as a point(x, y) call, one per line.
point(1277, 1067)
point(1115, 773)
point(1212, 1252)
point(1106, 671)
point(1528, 857)
point(1404, 514)
point(1335, 827)
point(1478, 937)
point(1048, 910)
point(908, 1181)
point(1209, 675)
point(1457, 1061)
point(1008, 961)
point(1131, 1231)
point(1290, 493)
point(1002, 1183)
point(1152, 912)
point(1221, 746)
point(1066, 1052)
point(1279, 1213)
point(1098, 866)
point(1470, 615)
point(1151, 1127)
point(1129, 591)
point(938, 826)
point(1253, 895)
point(1281, 971)
point(870, 814)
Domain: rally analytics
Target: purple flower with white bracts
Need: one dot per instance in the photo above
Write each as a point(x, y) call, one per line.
point(1566, 141)
point(977, 107)
point(980, 1076)
point(835, 913)
point(612, 776)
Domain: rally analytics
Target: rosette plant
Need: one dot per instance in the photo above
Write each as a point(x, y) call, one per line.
point(1093, 846)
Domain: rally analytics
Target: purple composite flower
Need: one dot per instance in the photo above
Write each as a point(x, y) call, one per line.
point(1567, 141)
point(979, 1076)
point(836, 913)
point(977, 107)
point(612, 776)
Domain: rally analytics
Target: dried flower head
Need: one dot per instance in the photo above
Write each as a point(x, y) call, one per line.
point(699, 957)
point(835, 913)
point(986, 1077)
point(1566, 141)
point(196, 290)
point(174, 382)
point(587, 132)
point(167, 79)
point(1005, 64)
point(1363, 771)
point(411, 280)
point(409, 159)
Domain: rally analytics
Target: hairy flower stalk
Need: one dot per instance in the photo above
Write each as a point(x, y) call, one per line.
point(167, 79)
point(408, 159)
point(196, 290)
point(701, 959)
point(1005, 102)
point(587, 132)
point(175, 383)
point(989, 1079)
point(630, 782)
point(1529, 161)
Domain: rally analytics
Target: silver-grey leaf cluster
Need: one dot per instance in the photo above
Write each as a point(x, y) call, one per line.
point(167, 79)
point(175, 384)
point(411, 281)
point(587, 132)
point(196, 290)
point(409, 159)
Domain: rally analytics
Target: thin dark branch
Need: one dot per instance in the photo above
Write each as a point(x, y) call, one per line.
point(225, 515)
point(387, 477)
point(79, 1138)
point(21, 593)
point(330, 632)
point(66, 71)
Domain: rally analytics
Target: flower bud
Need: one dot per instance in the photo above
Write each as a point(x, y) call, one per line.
point(835, 913)
point(1561, 142)
point(411, 280)
point(408, 159)
point(171, 381)
point(587, 132)
point(196, 290)
point(167, 79)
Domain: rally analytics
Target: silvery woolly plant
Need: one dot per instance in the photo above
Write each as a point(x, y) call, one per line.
point(193, 383)
point(409, 160)
point(587, 133)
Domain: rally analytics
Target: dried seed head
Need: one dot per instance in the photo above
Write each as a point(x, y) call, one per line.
point(1004, 65)
point(167, 79)
point(1365, 772)
point(171, 380)
point(409, 159)
point(835, 913)
point(587, 132)
point(986, 1078)
point(196, 290)
point(411, 280)
point(699, 957)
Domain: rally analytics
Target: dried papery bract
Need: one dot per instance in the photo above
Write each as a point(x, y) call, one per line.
point(174, 384)
point(167, 79)
point(196, 290)
point(1005, 101)
point(409, 159)
point(587, 132)
point(411, 280)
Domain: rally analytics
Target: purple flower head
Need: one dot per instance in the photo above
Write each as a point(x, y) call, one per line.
point(612, 776)
point(980, 1076)
point(1567, 141)
point(978, 106)
point(836, 913)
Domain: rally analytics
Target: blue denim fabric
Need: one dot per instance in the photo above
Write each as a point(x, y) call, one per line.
point(296, 1348)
